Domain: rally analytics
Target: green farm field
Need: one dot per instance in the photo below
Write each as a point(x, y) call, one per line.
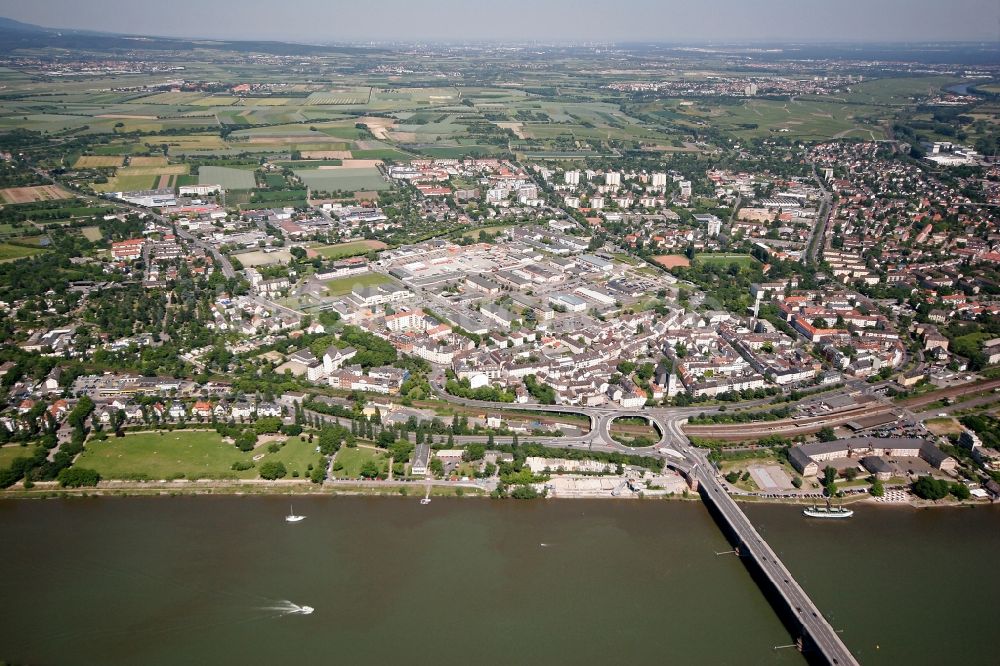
point(10, 252)
point(349, 180)
point(227, 177)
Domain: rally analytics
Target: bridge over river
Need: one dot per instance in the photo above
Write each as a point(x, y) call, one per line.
point(819, 640)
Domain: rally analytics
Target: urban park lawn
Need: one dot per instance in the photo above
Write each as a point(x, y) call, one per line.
point(353, 459)
point(195, 454)
point(192, 454)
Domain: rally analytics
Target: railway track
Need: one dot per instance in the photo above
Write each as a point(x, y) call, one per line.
point(812, 424)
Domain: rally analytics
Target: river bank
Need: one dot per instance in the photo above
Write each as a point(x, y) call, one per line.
point(297, 488)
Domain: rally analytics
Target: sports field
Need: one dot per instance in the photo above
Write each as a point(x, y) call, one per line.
point(261, 258)
point(672, 260)
point(727, 259)
point(352, 249)
point(342, 286)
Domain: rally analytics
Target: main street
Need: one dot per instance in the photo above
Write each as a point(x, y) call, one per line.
point(817, 234)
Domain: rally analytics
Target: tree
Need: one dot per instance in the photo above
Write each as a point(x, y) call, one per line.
point(826, 434)
point(436, 467)
point(246, 440)
point(75, 477)
point(270, 424)
point(474, 452)
point(829, 475)
point(960, 491)
point(369, 470)
point(524, 492)
point(78, 417)
point(929, 488)
point(877, 488)
point(272, 470)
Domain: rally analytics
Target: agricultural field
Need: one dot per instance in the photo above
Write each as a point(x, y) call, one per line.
point(227, 177)
point(342, 286)
point(897, 91)
point(98, 162)
point(808, 119)
point(17, 195)
point(128, 184)
point(352, 249)
point(339, 97)
point(341, 179)
point(140, 161)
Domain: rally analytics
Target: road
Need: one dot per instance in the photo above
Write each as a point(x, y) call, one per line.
point(823, 216)
point(811, 623)
point(808, 620)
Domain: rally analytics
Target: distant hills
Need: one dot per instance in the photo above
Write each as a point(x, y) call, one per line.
point(10, 25)
point(15, 35)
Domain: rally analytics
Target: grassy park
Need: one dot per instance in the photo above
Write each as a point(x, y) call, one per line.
point(11, 451)
point(163, 455)
point(192, 454)
point(353, 458)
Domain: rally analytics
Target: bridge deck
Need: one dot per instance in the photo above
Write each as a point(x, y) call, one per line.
point(814, 626)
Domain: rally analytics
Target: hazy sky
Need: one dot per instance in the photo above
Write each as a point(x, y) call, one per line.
point(563, 20)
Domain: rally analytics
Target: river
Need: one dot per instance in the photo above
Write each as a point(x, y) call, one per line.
point(208, 579)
